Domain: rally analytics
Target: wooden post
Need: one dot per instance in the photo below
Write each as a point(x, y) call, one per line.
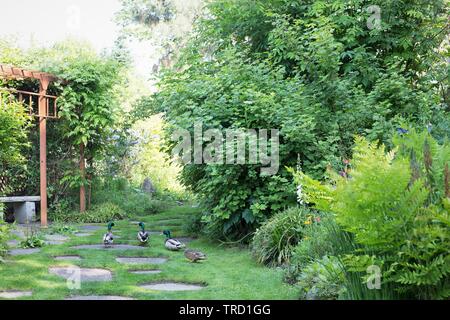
point(43, 149)
point(83, 176)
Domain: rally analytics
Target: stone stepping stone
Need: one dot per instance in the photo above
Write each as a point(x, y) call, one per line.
point(56, 237)
point(15, 294)
point(12, 243)
point(19, 233)
point(113, 247)
point(86, 274)
point(144, 271)
point(81, 234)
point(51, 242)
point(67, 258)
point(91, 228)
point(139, 260)
point(23, 252)
point(185, 239)
point(99, 298)
point(172, 286)
point(168, 223)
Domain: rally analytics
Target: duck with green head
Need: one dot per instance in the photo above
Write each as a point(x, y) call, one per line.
point(143, 235)
point(172, 244)
point(108, 238)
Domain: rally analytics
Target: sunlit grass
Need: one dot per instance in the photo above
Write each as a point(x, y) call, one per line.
point(229, 273)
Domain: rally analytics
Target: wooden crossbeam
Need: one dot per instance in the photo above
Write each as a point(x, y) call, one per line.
point(11, 72)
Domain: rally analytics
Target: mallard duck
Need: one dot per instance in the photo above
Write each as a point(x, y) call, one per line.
point(172, 244)
point(194, 255)
point(108, 237)
point(143, 235)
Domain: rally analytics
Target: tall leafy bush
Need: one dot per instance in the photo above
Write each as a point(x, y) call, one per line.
point(312, 69)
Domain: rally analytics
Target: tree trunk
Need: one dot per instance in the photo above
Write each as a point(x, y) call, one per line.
point(83, 174)
point(89, 179)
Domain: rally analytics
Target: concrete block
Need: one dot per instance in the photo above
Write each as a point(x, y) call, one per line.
point(25, 212)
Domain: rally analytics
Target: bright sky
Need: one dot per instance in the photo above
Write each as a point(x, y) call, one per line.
point(48, 21)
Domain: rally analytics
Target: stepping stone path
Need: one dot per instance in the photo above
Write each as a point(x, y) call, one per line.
point(113, 247)
point(171, 286)
point(81, 234)
point(98, 298)
point(12, 243)
point(55, 239)
point(138, 260)
point(23, 252)
point(15, 294)
point(67, 258)
point(19, 233)
point(91, 228)
point(86, 275)
point(185, 239)
point(144, 271)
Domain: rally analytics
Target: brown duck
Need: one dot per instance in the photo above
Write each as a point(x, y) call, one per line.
point(194, 256)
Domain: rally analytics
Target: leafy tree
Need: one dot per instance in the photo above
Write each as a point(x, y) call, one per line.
point(88, 102)
point(314, 70)
point(163, 23)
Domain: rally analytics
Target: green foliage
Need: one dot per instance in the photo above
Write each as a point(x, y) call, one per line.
point(394, 205)
point(274, 242)
point(101, 213)
point(130, 200)
point(193, 224)
point(13, 131)
point(312, 69)
point(60, 228)
point(315, 244)
point(33, 239)
point(322, 279)
point(150, 161)
point(4, 237)
point(13, 141)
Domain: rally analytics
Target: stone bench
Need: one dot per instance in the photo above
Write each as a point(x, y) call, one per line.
point(24, 208)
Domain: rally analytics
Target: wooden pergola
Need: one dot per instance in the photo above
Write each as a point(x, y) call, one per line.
point(45, 110)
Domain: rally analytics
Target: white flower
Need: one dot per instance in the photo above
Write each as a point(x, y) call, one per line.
point(300, 194)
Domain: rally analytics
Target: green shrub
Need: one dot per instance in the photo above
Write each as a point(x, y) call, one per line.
point(275, 240)
point(58, 228)
point(4, 237)
point(132, 201)
point(98, 214)
point(193, 224)
point(322, 279)
point(396, 206)
point(310, 68)
point(316, 242)
point(32, 241)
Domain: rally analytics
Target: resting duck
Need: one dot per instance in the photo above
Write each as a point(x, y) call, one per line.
point(108, 237)
point(142, 235)
point(194, 256)
point(172, 244)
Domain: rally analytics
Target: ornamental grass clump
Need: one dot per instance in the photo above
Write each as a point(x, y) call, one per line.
point(274, 242)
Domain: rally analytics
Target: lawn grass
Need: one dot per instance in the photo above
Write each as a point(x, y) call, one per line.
point(228, 273)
